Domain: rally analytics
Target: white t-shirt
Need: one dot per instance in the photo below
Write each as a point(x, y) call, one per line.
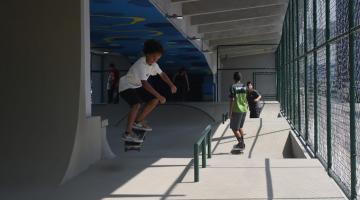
point(139, 71)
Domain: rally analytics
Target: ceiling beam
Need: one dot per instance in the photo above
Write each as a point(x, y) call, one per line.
point(248, 53)
point(229, 50)
point(242, 32)
point(247, 23)
point(246, 39)
point(213, 6)
point(237, 15)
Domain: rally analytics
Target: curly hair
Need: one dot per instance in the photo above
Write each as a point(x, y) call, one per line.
point(152, 46)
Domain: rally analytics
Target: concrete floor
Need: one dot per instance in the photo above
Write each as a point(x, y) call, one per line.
point(164, 169)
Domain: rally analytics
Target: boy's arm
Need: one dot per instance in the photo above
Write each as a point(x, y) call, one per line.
point(231, 96)
point(146, 85)
point(166, 79)
point(231, 107)
point(258, 96)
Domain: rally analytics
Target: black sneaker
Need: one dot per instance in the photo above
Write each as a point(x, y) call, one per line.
point(241, 144)
point(237, 147)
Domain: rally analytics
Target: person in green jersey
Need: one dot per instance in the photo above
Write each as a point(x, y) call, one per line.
point(238, 109)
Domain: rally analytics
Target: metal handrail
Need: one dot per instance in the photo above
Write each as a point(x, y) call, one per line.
point(204, 140)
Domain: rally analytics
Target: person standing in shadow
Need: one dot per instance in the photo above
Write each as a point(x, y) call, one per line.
point(113, 84)
point(181, 81)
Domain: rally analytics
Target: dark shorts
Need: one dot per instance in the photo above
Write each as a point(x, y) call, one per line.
point(237, 120)
point(135, 96)
point(254, 112)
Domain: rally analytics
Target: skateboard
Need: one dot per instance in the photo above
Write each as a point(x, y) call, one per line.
point(236, 150)
point(135, 145)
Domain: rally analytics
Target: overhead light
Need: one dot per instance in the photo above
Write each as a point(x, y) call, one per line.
point(174, 16)
point(194, 38)
point(106, 52)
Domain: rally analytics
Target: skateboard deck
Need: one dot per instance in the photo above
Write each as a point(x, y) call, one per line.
point(236, 150)
point(135, 145)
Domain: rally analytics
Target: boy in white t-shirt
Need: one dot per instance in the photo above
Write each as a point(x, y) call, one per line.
point(135, 89)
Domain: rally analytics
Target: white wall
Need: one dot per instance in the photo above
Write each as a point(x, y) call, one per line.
point(247, 66)
point(47, 131)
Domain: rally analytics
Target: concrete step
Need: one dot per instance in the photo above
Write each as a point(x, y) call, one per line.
point(258, 179)
point(262, 139)
point(234, 161)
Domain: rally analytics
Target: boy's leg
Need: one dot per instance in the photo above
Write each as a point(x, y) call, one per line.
point(237, 135)
point(110, 95)
point(241, 130)
point(147, 110)
point(132, 117)
point(132, 98)
point(151, 103)
point(235, 126)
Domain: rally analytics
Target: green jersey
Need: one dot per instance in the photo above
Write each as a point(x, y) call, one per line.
point(238, 94)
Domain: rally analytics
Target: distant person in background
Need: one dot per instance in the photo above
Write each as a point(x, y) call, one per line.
point(253, 98)
point(181, 81)
point(238, 109)
point(113, 84)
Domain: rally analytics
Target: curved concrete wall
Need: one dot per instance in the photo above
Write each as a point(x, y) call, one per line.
point(45, 83)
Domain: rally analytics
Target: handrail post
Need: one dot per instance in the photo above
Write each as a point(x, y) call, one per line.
point(209, 143)
point(203, 153)
point(205, 138)
point(196, 162)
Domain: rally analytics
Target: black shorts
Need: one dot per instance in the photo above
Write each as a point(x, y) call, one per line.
point(237, 120)
point(254, 112)
point(137, 95)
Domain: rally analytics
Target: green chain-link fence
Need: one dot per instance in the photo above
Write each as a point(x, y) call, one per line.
point(318, 66)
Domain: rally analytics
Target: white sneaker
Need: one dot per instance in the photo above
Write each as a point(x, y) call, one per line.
point(131, 138)
point(139, 126)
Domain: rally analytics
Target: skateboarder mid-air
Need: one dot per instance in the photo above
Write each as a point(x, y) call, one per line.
point(135, 89)
point(238, 109)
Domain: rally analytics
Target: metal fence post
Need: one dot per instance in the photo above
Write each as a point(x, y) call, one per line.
point(298, 66)
point(289, 69)
point(305, 72)
point(196, 162)
point(315, 82)
point(353, 130)
point(328, 87)
point(291, 78)
point(283, 76)
point(277, 74)
point(286, 71)
point(294, 61)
